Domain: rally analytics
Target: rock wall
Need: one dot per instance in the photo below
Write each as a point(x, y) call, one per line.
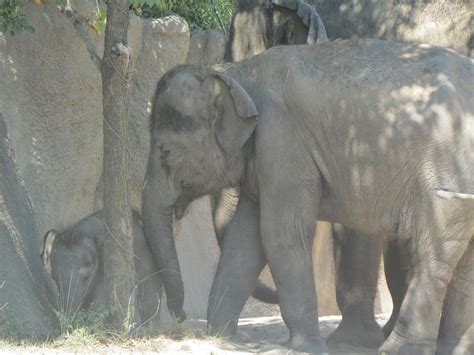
point(25, 286)
point(51, 98)
point(206, 47)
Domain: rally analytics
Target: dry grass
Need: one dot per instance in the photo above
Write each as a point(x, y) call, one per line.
point(255, 335)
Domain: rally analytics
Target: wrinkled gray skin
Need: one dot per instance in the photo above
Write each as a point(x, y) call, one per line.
point(385, 147)
point(456, 333)
point(256, 26)
point(75, 260)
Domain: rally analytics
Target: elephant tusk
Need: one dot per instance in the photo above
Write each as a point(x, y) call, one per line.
point(449, 195)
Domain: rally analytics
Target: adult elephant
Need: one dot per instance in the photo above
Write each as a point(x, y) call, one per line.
point(381, 150)
point(256, 26)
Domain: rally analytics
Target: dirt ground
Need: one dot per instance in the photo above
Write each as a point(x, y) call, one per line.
point(261, 330)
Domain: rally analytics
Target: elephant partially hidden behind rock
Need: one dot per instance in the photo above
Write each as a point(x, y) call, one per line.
point(75, 260)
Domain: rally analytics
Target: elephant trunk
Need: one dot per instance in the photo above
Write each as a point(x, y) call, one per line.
point(157, 224)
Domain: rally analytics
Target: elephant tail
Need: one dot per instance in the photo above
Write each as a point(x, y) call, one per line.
point(265, 293)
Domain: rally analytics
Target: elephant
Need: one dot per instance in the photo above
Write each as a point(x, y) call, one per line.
point(257, 26)
point(456, 333)
point(260, 24)
point(75, 261)
point(384, 146)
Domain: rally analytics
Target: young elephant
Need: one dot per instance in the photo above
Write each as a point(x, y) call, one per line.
point(75, 260)
point(377, 136)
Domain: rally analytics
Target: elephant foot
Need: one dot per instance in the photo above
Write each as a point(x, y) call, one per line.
point(308, 344)
point(398, 345)
point(356, 334)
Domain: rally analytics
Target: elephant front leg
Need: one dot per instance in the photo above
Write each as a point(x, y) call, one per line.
point(288, 215)
point(239, 267)
point(357, 260)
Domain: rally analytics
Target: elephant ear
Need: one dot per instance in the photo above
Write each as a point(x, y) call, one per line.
point(234, 115)
point(48, 241)
point(309, 17)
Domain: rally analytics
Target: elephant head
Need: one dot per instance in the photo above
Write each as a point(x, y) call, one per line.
point(72, 258)
point(260, 24)
point(200, 124)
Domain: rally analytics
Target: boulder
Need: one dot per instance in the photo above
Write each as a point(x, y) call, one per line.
point(25, 287)
point(51, 98)
point(207, 47)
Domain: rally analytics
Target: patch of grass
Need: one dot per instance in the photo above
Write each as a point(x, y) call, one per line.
point(86, 326)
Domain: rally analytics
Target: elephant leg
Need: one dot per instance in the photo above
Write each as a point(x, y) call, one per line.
point(456, 333)
point(241, 261)
point(357, 261)
point(396, 274)
point(288, 220)
point(439, 235)
point(223, 206)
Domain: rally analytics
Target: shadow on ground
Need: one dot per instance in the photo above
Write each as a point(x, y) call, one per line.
point(267, 335)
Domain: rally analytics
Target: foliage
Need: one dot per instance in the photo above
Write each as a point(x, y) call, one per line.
point(11, 19)
point(200, 14)
point(84, 325)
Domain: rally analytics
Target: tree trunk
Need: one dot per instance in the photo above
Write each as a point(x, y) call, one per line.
point(118, 252)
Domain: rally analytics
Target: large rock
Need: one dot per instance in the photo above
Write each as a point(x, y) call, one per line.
point(207, 47)
point(51, 98)
point(447, 23)
point(25, 288)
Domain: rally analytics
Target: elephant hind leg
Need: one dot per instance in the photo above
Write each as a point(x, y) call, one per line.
point(456, 333)
point(439, 235)
point(357, 260)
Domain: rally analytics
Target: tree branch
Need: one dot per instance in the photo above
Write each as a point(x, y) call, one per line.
point(221, 23)
point(80, 23)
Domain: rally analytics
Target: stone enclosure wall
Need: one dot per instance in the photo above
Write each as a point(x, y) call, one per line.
point(51, 101)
